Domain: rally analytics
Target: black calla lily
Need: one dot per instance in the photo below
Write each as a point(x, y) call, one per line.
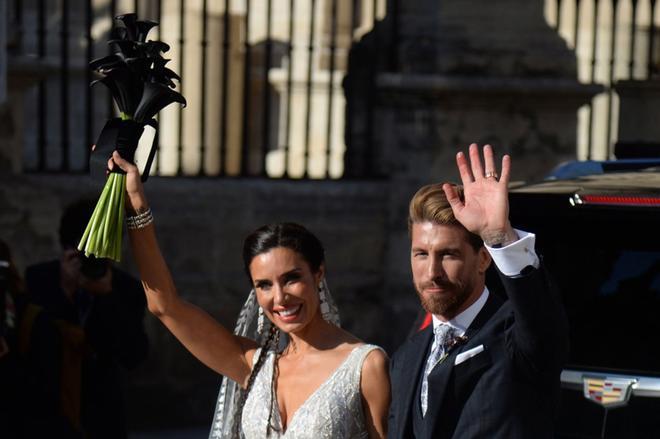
point(123, 48)
point(164, 76)
point(155, 97)
point(119, 94)
point(128, 91)
point(119, 34)
point(135, 72)
point(160, 63)
point(106, 62)
point(130, 24)
point(170, 74)
point(155, 48)
point(140, 66)
point(143, 28)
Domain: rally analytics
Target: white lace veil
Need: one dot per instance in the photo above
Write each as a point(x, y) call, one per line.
point(252, 324)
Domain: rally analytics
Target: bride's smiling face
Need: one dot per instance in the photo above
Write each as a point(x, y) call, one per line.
point(286, 287)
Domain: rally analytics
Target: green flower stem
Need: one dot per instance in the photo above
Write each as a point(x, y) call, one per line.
point(86, 244)
point(103, 235)
point(120, 215)
point(107, 223)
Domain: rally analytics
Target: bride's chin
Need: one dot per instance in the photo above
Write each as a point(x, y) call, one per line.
point(293, 328)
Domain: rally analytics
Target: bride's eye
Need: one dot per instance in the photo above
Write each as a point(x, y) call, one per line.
point(292, 278)
point(263, 286)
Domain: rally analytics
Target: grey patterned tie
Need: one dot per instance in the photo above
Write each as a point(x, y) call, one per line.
point(443, 335)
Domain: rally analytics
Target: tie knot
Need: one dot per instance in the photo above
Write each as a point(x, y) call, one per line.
point(444, 334)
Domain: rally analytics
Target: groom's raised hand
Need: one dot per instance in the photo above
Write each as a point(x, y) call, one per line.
point(485, 209)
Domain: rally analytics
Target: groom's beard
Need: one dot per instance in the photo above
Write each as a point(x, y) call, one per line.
point(447, 303)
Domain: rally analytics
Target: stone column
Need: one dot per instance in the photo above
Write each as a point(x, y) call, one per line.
point(435, 76)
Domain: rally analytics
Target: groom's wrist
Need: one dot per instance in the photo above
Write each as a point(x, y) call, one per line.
point(499, 238)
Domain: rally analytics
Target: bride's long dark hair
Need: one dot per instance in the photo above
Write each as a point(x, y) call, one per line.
point(287, 235)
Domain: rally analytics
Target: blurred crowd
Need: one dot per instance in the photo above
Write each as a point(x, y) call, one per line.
point(70, 328)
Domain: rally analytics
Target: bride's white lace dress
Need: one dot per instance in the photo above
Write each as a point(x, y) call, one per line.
point(333, 411)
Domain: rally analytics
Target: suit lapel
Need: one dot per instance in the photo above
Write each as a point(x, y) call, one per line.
point(441, 374)
point(412, 362)
point(490, 307)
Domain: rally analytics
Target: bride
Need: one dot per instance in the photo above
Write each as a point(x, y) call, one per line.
point(307, 377)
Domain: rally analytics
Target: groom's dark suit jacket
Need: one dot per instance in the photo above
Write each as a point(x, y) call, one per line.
point(509, 390)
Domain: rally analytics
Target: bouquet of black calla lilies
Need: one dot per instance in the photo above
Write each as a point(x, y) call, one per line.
point(141, 86)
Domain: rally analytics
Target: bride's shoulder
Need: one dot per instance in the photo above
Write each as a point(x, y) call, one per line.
point(369, 358)
point(375, 385)
point(375, 359)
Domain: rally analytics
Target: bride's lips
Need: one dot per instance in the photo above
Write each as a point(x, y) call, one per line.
point(288, 314)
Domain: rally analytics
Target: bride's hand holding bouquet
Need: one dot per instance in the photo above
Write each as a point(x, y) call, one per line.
point(136, 201)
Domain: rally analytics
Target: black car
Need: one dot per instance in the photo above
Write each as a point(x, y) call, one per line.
point(599, 234)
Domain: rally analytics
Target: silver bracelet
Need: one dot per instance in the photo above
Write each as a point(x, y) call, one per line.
point(139, 221)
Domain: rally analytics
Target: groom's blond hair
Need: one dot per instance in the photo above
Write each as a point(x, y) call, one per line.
point(430, 204)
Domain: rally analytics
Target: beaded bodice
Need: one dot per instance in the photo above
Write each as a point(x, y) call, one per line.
point(333, 410)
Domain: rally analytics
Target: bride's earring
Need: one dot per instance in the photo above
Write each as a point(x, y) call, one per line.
point(323, 303)
point(327, 305)
point(261, 321)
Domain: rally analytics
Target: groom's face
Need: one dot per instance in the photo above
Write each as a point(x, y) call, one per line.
point(448, 272)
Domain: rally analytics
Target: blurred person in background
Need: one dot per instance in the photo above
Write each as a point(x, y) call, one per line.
point(12, 299)
point(98, 311)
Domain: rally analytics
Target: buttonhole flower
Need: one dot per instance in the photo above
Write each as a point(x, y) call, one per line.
point(456, 341)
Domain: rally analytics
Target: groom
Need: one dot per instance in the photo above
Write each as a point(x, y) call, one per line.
point(487, 367)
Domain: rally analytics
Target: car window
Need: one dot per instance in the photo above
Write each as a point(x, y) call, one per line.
point(612, 298)
point(632, 267)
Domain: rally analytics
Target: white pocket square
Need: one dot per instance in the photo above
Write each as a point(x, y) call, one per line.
point(463, 356)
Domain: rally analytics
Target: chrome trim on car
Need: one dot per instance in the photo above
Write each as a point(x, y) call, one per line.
point(641, 386)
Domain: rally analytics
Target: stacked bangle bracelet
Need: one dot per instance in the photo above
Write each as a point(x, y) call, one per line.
point(140, 220)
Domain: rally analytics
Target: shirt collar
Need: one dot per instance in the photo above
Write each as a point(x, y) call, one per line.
point(463, 321)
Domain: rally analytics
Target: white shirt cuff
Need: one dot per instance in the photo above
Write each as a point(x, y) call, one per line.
point(513, 258)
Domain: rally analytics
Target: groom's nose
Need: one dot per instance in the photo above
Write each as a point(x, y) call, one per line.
point(435, 270)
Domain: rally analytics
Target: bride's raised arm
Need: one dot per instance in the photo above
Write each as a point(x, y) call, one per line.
point(201, 334)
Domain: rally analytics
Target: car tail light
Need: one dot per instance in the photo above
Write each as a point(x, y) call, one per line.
point(615, 200)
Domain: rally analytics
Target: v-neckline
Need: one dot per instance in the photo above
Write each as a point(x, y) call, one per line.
point(275, 403)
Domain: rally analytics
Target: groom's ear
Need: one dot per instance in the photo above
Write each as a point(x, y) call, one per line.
point(484, 259)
